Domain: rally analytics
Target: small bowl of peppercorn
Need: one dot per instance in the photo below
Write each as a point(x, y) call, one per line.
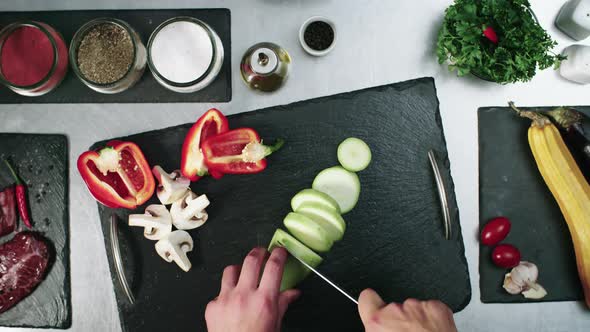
point(317, 35)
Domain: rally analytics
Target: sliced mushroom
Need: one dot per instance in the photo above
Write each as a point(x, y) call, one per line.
point(174, 247)
point(189, 212)
point(156, 221)
point(172, 186)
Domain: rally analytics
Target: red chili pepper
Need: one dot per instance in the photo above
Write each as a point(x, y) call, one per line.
point(490, 34)
point(238, 151)
point(192, 165)
point(21, 197)
point(118, 176)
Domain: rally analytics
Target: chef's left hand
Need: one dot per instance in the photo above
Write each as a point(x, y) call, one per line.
point(245, 305)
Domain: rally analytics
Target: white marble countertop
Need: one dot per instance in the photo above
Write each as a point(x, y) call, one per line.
point(379, 42)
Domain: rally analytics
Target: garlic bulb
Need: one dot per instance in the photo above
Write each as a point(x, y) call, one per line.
point(510, 286)
point(523, 280)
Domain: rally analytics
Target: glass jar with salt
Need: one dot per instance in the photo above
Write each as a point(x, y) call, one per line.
point(185, 54)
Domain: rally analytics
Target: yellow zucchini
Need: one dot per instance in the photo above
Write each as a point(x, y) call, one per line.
point(568, 186)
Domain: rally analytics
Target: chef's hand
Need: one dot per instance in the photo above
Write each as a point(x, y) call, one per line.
point(245, 305)
point(412, 315)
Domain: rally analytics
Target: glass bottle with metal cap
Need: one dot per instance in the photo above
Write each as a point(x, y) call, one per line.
point(265, 67)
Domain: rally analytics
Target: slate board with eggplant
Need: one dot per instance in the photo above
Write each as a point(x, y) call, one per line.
point(511, 185)
point(394, 241)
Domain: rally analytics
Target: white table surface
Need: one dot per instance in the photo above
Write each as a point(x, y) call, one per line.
point(379, 42)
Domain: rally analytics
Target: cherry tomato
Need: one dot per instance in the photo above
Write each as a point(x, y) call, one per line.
point(506, 256)
point(495, 231)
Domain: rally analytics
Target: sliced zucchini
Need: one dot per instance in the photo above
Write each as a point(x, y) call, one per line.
point(327, 218)
point(314, 196)
point(354, 154)
point(343, 186)
point(308, 231)
point(294, 272)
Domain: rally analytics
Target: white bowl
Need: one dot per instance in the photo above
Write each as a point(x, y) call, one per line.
point(308, 49)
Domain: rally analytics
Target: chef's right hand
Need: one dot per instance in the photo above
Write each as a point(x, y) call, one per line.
point(412, 315)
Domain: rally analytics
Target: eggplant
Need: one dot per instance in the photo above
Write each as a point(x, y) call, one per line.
point(569, 122)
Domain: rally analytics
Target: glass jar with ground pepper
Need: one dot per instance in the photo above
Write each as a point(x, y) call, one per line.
point(33, 58)
point(108, 55)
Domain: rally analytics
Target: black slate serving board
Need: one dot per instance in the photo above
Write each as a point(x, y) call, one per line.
point(147, 90)
point(42, 161)
point(394, 241)
point(511, 185)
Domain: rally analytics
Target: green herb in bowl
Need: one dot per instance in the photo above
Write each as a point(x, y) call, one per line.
point(496, 40)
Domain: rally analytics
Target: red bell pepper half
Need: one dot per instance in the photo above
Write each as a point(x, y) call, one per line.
point(238, 151)
point(118, 176)
point(192, 164)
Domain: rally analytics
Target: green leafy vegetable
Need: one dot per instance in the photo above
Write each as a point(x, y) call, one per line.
point(523, 45)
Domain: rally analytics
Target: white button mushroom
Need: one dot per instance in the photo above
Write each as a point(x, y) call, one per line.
point(189, 212)
point(174, 247)
point(172, 187)
point(156, 220)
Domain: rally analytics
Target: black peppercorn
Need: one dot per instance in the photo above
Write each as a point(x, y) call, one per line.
point(105, 53)
point(319, 35)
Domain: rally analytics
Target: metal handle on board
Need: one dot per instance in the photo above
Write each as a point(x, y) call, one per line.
point(118, 261)
point(442, 194)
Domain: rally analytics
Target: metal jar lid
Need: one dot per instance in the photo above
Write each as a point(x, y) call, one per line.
point(265, 67)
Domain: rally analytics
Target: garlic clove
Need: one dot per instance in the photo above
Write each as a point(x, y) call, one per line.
point(510, 286)
point(535, 292)
point(525, 273)
point(522, 279)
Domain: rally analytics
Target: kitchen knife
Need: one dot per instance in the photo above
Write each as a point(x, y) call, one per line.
point(321, 276)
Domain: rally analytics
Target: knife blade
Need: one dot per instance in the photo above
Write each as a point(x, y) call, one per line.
point(323, 277)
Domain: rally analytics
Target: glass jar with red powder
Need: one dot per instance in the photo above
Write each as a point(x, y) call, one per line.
point(33, 58)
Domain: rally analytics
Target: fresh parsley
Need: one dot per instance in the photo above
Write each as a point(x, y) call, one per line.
point(522, 46)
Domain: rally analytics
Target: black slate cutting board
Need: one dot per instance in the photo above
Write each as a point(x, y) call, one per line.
point(394, 241)
point(42, 162)
point(147, 90)
point(511, 185)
